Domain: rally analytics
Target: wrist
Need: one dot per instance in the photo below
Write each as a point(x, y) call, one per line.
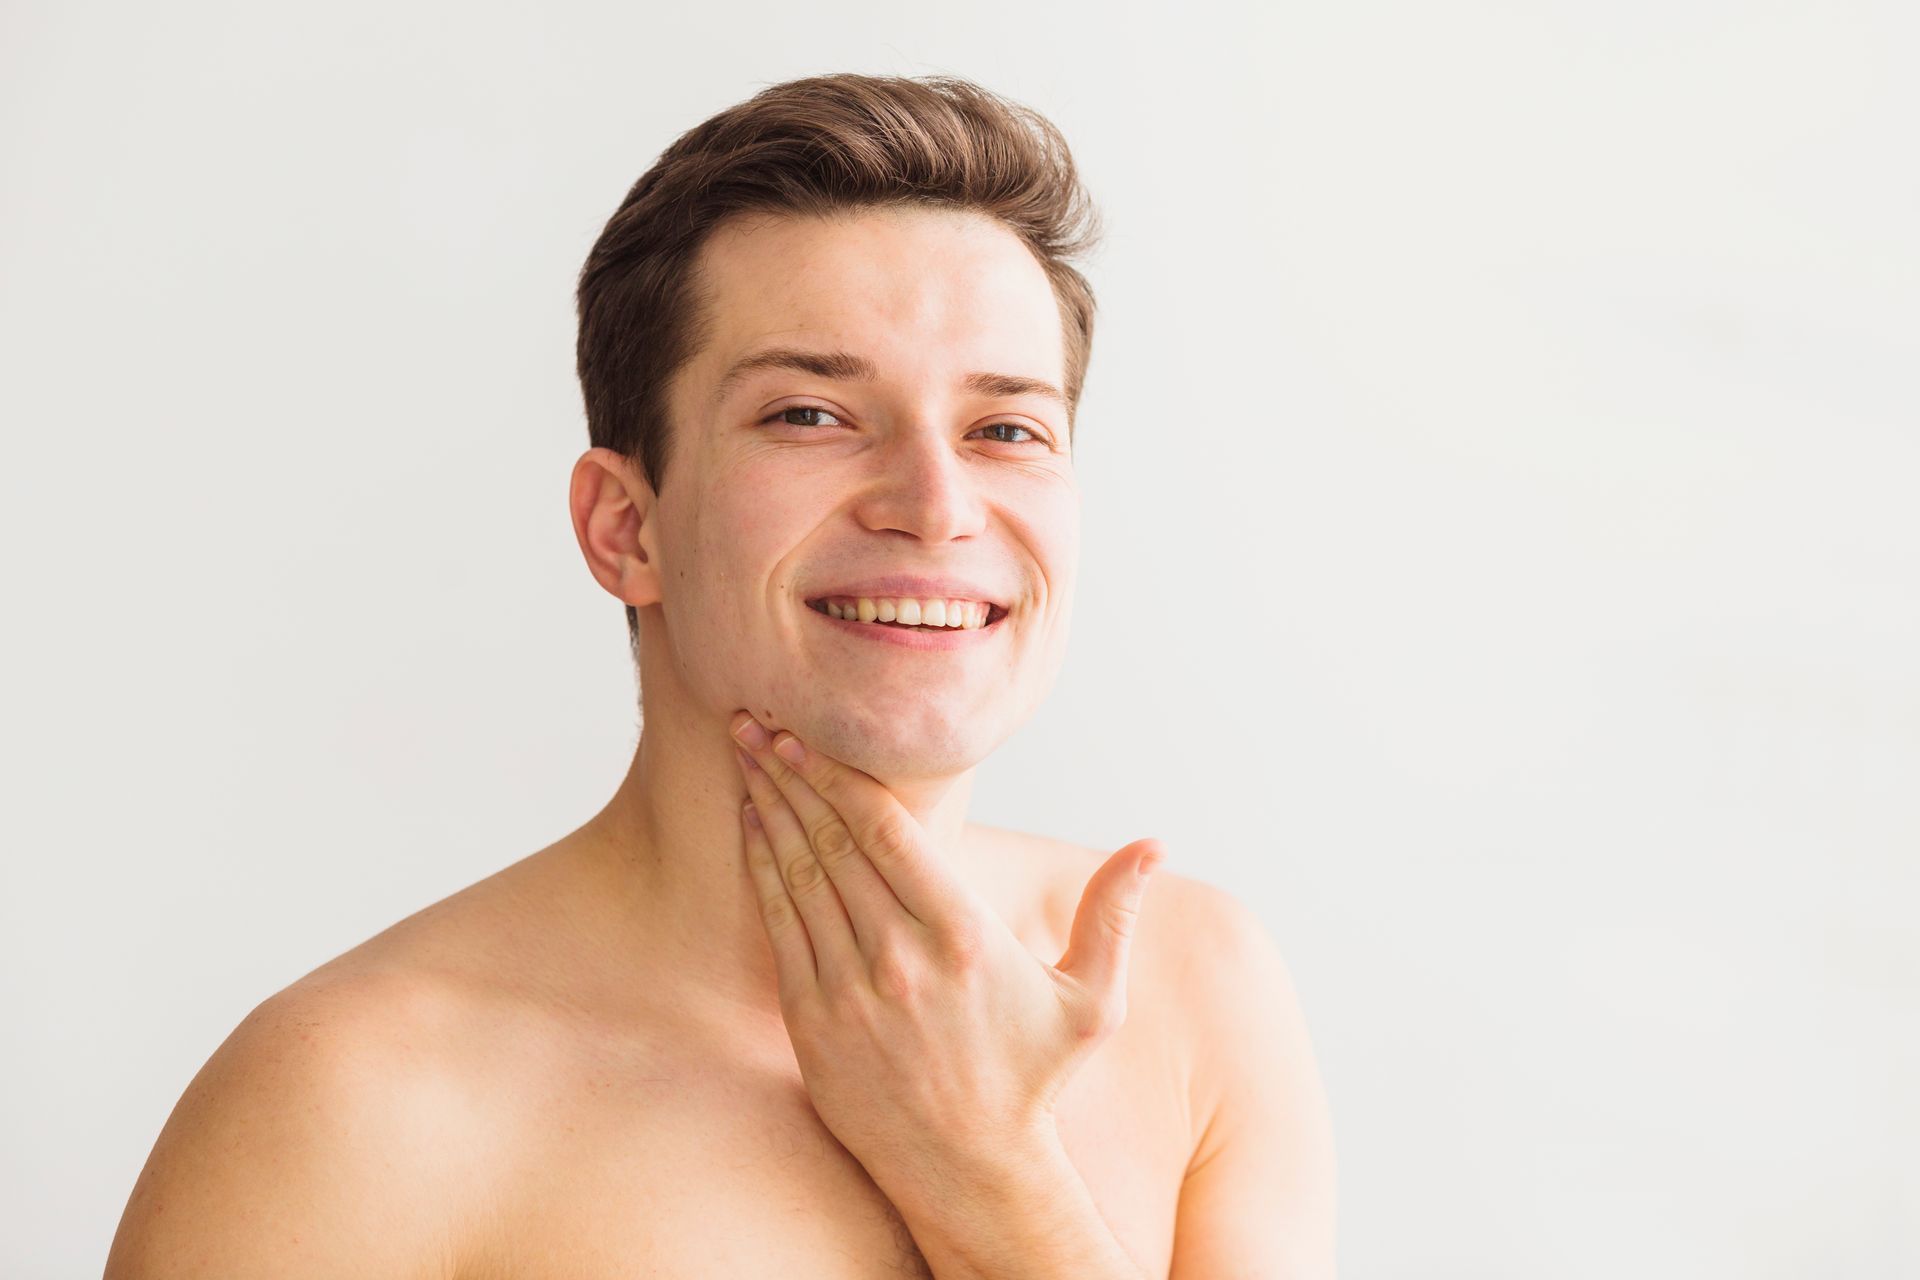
point(1017, 1209)
point(995, 1175)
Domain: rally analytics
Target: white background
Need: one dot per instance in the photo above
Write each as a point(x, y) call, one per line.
point(1500, 565)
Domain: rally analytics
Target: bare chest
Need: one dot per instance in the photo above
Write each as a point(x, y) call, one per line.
point(724, 1170)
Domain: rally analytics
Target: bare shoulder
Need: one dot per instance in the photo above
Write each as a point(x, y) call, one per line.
point(1233, 980)
point(1260, 1188)
point(1224, 942)
point(1259, 1193)
point(325, 1136)
point(1209, 962)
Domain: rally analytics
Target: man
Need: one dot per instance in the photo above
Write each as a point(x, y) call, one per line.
point(847, 1033)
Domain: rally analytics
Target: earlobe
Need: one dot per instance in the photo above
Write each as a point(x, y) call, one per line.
point(613, 511)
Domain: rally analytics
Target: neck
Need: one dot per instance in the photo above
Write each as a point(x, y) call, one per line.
point(671, 838)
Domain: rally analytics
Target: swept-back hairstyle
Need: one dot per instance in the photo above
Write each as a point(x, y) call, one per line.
point(812, 147)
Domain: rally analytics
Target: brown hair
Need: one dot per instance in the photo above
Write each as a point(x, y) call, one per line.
point(813, 147)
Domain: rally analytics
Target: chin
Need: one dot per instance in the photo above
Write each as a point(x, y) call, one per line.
point(921, 744)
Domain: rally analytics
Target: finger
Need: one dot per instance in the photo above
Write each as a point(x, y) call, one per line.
point(889, 835)
point(870, 901)
point(786, 931)
point(1101, 940)
point(836, 952)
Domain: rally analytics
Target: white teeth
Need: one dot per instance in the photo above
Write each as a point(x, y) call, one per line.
point(953, 615)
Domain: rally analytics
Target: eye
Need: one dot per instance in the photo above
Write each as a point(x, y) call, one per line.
point(1032, 435)
point(797, 408)
point(780, 415)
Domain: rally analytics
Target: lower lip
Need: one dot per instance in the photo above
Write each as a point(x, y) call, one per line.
point(952, 638)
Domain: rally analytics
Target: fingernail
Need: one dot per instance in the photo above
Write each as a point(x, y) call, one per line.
point(751, 814)
point(790, 750)
point(751, 733)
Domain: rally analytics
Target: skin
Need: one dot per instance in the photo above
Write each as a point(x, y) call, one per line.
point(599, 1060)
point(932, 1042)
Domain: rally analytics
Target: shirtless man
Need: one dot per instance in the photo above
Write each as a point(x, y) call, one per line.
point(609, 1058)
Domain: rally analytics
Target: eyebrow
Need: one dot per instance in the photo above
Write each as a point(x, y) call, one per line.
point(845, 366)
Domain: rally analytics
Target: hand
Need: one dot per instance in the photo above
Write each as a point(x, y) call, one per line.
point(928, 1036)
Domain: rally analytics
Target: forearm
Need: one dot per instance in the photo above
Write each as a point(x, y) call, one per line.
point(1026, 1216)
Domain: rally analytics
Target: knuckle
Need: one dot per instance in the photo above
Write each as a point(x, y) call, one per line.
point(896, 973)
point(964, 946)
point(834, 843)
point(1099, 1018)
point(892, 842)
point(805, 872)
point(1120, 917)
point(778, 911)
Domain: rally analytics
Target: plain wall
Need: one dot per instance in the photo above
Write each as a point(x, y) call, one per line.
point(1501, 549)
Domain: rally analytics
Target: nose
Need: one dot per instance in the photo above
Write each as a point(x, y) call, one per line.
point(925, 488)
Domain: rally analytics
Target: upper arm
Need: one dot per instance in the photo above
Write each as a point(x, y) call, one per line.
point(301, 1149)
point(1258, 1199)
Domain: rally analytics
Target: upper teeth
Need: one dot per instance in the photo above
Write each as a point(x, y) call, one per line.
point(966, 615)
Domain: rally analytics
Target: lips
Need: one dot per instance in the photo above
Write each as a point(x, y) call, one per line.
point(939, 639)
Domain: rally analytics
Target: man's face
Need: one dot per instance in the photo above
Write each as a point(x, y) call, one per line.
point(789, 485)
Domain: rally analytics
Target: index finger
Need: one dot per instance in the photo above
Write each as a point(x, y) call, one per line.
point(890, 836)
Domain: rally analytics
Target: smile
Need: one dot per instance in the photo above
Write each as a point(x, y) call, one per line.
point(904, 622)
point(933, 614)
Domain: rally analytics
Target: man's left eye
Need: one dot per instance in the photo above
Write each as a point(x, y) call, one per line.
point(1033, 437)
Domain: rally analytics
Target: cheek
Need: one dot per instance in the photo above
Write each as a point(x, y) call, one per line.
point(761, 513)
point(742, 533)
point(734, 582)
point(1050, 525)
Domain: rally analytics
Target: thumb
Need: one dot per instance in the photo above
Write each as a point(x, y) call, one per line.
point(1096, 954)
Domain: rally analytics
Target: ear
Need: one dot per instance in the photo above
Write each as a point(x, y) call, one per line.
point(612, 520)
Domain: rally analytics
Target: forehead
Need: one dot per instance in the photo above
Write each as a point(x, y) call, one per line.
point(921, 292)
